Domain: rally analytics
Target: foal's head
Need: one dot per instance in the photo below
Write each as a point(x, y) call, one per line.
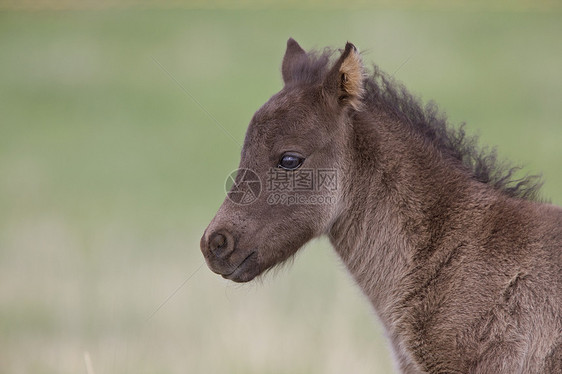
point(289, 184)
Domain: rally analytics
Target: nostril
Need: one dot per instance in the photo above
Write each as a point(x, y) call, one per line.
point(218, 243)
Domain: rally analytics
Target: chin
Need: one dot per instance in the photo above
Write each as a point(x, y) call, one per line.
point(248, 269)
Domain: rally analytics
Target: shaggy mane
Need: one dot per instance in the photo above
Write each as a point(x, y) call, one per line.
point(383, 91)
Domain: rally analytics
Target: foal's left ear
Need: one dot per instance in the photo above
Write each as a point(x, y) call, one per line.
point(295, 57)
point(345, 80)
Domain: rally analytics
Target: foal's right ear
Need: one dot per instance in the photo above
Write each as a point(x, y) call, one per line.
point(345, 81)
point(295, 56)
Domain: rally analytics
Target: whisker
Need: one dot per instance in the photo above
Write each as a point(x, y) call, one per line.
point(174, 292)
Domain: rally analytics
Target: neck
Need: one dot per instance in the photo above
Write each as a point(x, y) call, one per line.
point(400, 195)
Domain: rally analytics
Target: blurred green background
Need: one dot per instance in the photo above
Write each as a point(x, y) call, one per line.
point(109, 172)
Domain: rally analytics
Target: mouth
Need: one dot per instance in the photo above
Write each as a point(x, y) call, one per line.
point(246, 271)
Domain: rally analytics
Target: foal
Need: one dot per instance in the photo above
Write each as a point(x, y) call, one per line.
point(462, 266)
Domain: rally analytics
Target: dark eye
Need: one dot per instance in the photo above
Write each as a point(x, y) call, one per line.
point(290, 161)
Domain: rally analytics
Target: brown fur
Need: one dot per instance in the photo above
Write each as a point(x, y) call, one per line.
point(462, 267)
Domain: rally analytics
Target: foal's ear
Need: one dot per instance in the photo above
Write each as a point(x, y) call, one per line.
point(345, 80)
point(295, 56)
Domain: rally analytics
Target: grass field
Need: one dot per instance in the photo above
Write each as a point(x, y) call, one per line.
point(110, 171)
